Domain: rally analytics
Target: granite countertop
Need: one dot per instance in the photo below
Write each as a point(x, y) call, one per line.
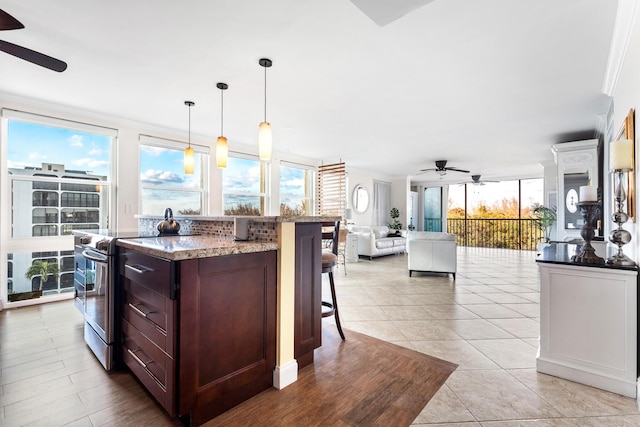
point(178, 248)
point(561, 253)
point(252, 218)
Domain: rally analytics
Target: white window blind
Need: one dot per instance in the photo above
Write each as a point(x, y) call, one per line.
point(332, 189)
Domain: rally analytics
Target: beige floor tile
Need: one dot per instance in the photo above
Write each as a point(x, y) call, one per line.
point(478, 329)
point(459, 352)
point(380, 329)
point(426, 330)
point(495, 395)
point(449, 311)
point(470, 298)
point(508, 353)
point(521, 328)
point(492, 311)
point(528, 310)
point(444, 407)
point(504, 298)
point(573, 399)
point(411, 312)
point(360, 313)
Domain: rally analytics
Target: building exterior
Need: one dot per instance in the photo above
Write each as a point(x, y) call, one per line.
point(52, 201)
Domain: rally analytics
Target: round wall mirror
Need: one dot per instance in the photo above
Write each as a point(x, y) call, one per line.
point(360, 198)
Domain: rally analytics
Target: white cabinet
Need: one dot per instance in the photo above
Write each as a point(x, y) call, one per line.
point(588, 326)
point(351, 249)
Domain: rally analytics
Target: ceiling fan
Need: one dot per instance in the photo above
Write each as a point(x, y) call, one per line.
point(8, 22)
point(475, 180)
point(441, 168)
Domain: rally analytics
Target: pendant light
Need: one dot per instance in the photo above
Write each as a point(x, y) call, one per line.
point(188, 152)
point(222, 148)
point(265, 138)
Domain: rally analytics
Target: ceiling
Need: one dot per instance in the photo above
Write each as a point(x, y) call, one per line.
point(489, 85)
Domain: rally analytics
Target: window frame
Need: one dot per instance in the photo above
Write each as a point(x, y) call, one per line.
point(10, 246)
point(170, 144)
point(265, 194)
point(311, 200)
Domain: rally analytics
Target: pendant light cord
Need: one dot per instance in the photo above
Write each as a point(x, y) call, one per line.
point(221, 112)
point(189, 126)
point(265, 94)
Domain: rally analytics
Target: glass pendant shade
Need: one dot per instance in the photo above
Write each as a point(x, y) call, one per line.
point(188, 160)
point(265, 141)
point(222, 152)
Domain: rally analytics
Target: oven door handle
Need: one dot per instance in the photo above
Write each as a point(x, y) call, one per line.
point(95, 256)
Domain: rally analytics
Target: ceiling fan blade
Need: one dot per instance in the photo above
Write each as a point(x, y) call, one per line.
point(8, 22)
point(33, 56)
point(457, 170)
point(427, 170)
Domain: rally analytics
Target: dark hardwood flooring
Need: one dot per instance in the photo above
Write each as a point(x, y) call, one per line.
point(48, 377)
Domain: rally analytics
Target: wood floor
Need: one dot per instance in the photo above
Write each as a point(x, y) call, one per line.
point(48, 377)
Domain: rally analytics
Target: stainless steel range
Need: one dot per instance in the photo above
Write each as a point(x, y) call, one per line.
point(95, 280)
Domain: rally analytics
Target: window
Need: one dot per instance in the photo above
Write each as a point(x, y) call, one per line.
point(58, 180)
point(295, 190)
point(332, 189)
point(163, 182)
point(433, 209)
point(243, 186)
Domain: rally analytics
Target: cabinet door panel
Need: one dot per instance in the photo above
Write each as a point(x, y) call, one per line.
point(228, 314)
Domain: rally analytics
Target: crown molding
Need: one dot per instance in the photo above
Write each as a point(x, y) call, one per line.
point(622, 30)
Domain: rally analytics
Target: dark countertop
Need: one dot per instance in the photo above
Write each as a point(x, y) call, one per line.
point(561, 253)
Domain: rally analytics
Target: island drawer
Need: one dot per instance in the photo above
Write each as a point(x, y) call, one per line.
point(152, 366)
point(155, 273)
point(151, 313)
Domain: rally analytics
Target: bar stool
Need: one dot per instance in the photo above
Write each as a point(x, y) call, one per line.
point(330, 232)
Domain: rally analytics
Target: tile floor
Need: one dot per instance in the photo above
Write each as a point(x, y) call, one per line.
point(487, 322)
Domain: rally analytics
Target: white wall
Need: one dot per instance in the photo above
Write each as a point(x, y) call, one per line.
point(626, 96)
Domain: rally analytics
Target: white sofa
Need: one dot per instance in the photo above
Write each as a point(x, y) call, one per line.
point(432, 252)
point(374, 241)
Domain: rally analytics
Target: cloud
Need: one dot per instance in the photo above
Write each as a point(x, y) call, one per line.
point(75, 141)
point(36, 156)
point(151, 150)
point(159, 177)
point(90, 163)
point(95, 152)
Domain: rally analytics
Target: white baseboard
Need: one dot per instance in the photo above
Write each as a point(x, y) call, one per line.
point(285, 374)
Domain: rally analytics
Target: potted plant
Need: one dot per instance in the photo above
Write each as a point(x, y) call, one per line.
point(43, 269)
point(395, 224)
point(545, 217)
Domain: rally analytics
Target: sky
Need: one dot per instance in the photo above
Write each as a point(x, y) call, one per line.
point(33, 144)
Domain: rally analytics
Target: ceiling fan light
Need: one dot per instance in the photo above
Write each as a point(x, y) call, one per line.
point(188, 160)
point(222, 152)
point(265, 141)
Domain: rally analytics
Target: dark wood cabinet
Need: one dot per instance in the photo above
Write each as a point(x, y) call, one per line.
point(200, 334)
point(308, 292)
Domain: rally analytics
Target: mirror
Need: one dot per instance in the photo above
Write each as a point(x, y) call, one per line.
point(572, 183)
point(360, 199)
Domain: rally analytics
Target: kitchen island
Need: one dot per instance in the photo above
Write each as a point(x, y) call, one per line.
point(208, 322)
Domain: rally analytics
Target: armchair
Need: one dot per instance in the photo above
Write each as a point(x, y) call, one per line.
point(432, 252)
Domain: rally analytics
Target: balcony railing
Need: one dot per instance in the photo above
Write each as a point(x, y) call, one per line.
point(522, 234)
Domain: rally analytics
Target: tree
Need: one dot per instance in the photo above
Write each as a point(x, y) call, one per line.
point(44, 269)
